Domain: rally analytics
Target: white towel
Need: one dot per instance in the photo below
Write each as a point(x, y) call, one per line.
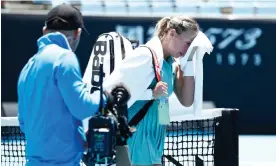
point(202, 45)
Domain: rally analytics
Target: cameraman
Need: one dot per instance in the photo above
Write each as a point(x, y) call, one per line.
point(52, 99)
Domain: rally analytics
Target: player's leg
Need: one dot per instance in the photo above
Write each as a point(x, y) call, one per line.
point(122, 156)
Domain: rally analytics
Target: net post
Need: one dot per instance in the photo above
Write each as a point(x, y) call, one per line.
point(226, 143)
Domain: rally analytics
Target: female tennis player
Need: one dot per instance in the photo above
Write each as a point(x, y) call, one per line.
point(172, 38)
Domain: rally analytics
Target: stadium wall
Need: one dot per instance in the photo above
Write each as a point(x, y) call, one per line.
point(238, 74)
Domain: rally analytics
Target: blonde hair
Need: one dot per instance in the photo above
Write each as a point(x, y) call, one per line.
point(179, 23)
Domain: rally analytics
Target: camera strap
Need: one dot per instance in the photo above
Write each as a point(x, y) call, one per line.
point(141, 114)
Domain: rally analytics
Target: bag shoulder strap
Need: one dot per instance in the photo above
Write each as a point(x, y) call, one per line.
point(155, 63)
point(141, 114)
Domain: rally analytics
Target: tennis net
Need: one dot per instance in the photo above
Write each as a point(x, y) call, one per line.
point(208, 140)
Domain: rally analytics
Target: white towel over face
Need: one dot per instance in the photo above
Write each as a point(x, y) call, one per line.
point(202, 45)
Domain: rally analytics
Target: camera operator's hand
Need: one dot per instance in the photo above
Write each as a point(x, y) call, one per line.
point(124, 131)
point(123, 126)
point(161, 89)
